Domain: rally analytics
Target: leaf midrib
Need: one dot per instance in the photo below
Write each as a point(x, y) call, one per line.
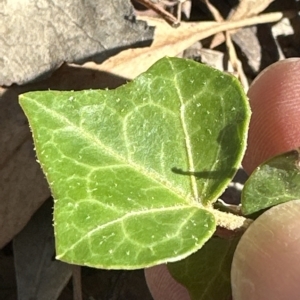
point(186, 138)
point(138, 168)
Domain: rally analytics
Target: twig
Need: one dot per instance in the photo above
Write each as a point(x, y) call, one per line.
point(170, 41)
point(76, 280)
point(217, 16)
point(237, 65)
point(169, 18)
point(235, 62)
point(260, 19)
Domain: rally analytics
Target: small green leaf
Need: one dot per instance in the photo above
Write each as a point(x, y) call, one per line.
point(133, 169)
point(206, 273)
point(273, 182)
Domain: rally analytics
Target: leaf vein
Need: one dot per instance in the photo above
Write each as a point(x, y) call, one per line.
point(108, 151)
point(186, 136)
point(121, 219)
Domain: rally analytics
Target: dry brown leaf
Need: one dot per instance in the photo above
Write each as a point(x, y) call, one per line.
point(170, 42)
point(216, 14)
point(23, 187)
point(159, 9)
point(219, 38)
point(186, 8)
point(245, 9)
point(216, 59)
point(248, 8)
point(236, 64)
point(36, 36)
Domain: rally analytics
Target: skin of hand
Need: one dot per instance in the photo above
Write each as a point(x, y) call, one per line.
point(266, 263)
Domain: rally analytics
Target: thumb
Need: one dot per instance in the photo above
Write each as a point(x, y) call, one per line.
point(266, 264)
point(275, 123)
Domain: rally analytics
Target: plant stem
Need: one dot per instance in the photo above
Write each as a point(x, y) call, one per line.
point(231, 221)
point(169, 18)
point(76, 280)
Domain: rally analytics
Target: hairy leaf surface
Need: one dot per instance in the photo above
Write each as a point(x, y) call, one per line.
point(134, 170)
point(273, 182)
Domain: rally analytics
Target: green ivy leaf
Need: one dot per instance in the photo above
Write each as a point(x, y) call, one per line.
point(134, 170)
point(273, 182)
point(206, 273)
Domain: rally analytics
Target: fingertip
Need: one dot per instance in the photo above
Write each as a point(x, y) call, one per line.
point(266, 263)
point(275, 122)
